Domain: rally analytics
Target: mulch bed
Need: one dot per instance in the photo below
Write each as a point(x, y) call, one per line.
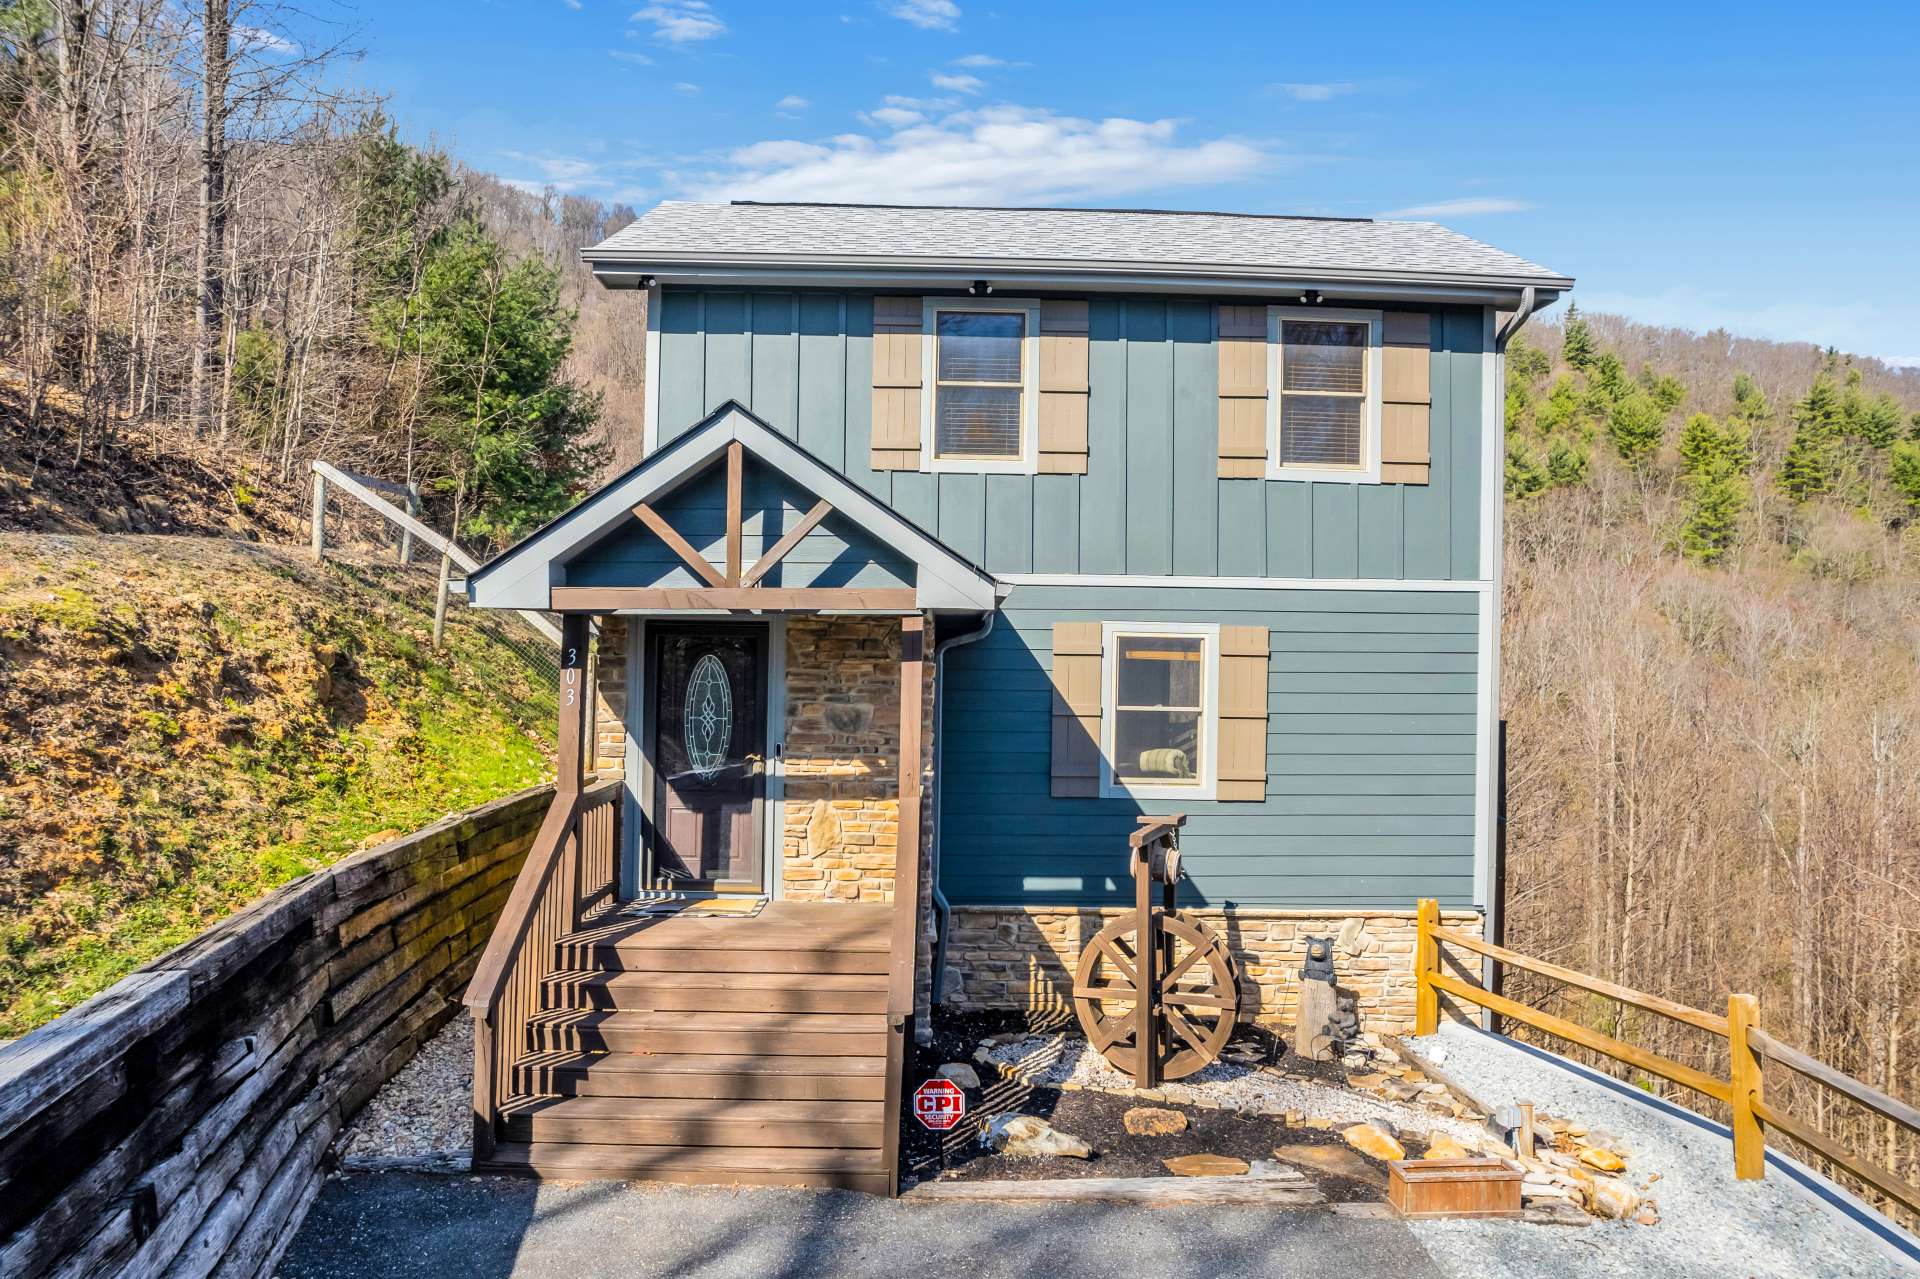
point(1096, 1118)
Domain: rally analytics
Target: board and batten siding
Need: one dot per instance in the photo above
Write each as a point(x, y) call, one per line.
point(1150, 503)
point(1370, 755)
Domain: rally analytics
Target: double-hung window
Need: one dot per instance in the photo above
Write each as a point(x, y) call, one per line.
point(1161, 704)
point(1326, 412)
point(983, 403)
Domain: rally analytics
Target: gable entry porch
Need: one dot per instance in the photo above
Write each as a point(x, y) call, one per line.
point(705, 972)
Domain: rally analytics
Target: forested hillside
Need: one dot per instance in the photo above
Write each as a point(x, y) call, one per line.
point(199, 230)
point(1710, 674)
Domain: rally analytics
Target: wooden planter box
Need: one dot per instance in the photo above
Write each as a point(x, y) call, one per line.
point(1454, 1187)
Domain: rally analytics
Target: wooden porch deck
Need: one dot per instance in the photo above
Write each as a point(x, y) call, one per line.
point(732, 1050)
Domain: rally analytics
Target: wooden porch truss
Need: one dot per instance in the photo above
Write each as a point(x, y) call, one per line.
point(734, 588)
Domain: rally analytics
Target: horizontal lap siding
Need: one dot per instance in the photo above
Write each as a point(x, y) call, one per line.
point(835, 553)
point(1370, 755)
point(1149, 502)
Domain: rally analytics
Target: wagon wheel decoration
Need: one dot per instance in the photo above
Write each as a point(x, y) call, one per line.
point(1199, 994)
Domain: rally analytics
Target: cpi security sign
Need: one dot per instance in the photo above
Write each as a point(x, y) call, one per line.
point(939, 1104)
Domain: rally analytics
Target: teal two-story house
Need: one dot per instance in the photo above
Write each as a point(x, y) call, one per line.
point(1192, 512)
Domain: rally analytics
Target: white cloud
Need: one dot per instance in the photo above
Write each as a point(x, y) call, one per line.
point(891, 117)
point(1472, 206)
point(682, 21)
point(933, 15)
point(1315, 92)
point(686, 86)
point(630, 56)
point(992, 155)
point(1902, 361)
point(572, 4)
point(984, 60)
point(561, 172)
point(612, 181)
point(957, 83)
point(261, 38)
point(792, 102)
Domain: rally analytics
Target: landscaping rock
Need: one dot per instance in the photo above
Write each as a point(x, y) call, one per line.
point(1206, 1166)
point(1445, 1147)
point(1028, 1136)
point(1614, 1198)
point(960, 1073)
point(1604, 1160)
point(1647, 1214)
point(1151, 1121)
point(1372, 1138)
point(1337, 1160)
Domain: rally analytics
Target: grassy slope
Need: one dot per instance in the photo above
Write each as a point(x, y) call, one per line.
point(189, 722)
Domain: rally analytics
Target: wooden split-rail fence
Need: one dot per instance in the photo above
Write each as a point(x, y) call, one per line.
point(367, 490)
point(1743, 1092)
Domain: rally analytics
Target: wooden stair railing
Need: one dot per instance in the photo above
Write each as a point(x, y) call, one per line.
point(569, 868)
point(569, 872)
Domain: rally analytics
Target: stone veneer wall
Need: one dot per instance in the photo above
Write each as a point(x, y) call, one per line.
point(1023, 957)
point(609, 755)
point(842, 812)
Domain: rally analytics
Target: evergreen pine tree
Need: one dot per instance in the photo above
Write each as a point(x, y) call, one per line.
point(1749, 405)
point(1716, 498)
point(1567, 463)
point(1904, 470)
point(1811, 466)
point(1636, 426)
point(1878, 422)
point(1577, 347)
point(1525, 475)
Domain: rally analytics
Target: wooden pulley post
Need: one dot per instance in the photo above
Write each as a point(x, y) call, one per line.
point(1156, 992)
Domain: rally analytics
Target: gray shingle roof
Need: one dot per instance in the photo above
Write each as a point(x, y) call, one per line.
point(1064, 239)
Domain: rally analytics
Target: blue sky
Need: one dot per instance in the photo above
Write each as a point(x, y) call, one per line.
point(1753, 167)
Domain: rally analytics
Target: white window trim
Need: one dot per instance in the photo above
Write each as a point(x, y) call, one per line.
point(1113, 786)
point(1369, 470)
point(1028, 463)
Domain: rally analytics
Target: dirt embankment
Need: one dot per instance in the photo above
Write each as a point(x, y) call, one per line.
point(186, 722)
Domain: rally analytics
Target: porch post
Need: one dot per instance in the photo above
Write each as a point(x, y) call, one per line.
point(906, 858)
point(570, 770)
point(904, 948)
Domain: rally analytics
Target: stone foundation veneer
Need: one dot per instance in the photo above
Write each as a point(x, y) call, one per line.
point(1022, 958)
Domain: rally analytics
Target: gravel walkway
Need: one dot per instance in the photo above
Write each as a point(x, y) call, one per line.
point(424, 1114)
point(1063, 1060)
point(1711, 1224)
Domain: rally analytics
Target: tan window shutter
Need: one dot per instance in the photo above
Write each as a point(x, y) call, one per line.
point(1076, 709)
point(1243, 392)
point(1406, 397)
point(898, 325)
point(1243, 713)
point(1063, 388)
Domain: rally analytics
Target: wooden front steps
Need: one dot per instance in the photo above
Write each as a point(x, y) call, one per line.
point(749, 1051)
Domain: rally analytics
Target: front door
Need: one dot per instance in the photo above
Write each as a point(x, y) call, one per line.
point(708, 735)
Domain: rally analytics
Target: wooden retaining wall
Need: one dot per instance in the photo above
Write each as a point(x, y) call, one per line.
point(177, 1123)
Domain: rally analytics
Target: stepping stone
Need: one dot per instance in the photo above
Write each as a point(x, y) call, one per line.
point(1206, 1166)
point(1336, 1160)
point(1151, 1121)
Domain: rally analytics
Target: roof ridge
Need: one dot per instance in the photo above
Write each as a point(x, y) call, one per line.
point(1033, 208)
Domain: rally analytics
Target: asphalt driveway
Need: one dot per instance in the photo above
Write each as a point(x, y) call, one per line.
point(368, 1225)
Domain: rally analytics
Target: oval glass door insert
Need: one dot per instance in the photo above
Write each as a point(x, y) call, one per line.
point(706, 720)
